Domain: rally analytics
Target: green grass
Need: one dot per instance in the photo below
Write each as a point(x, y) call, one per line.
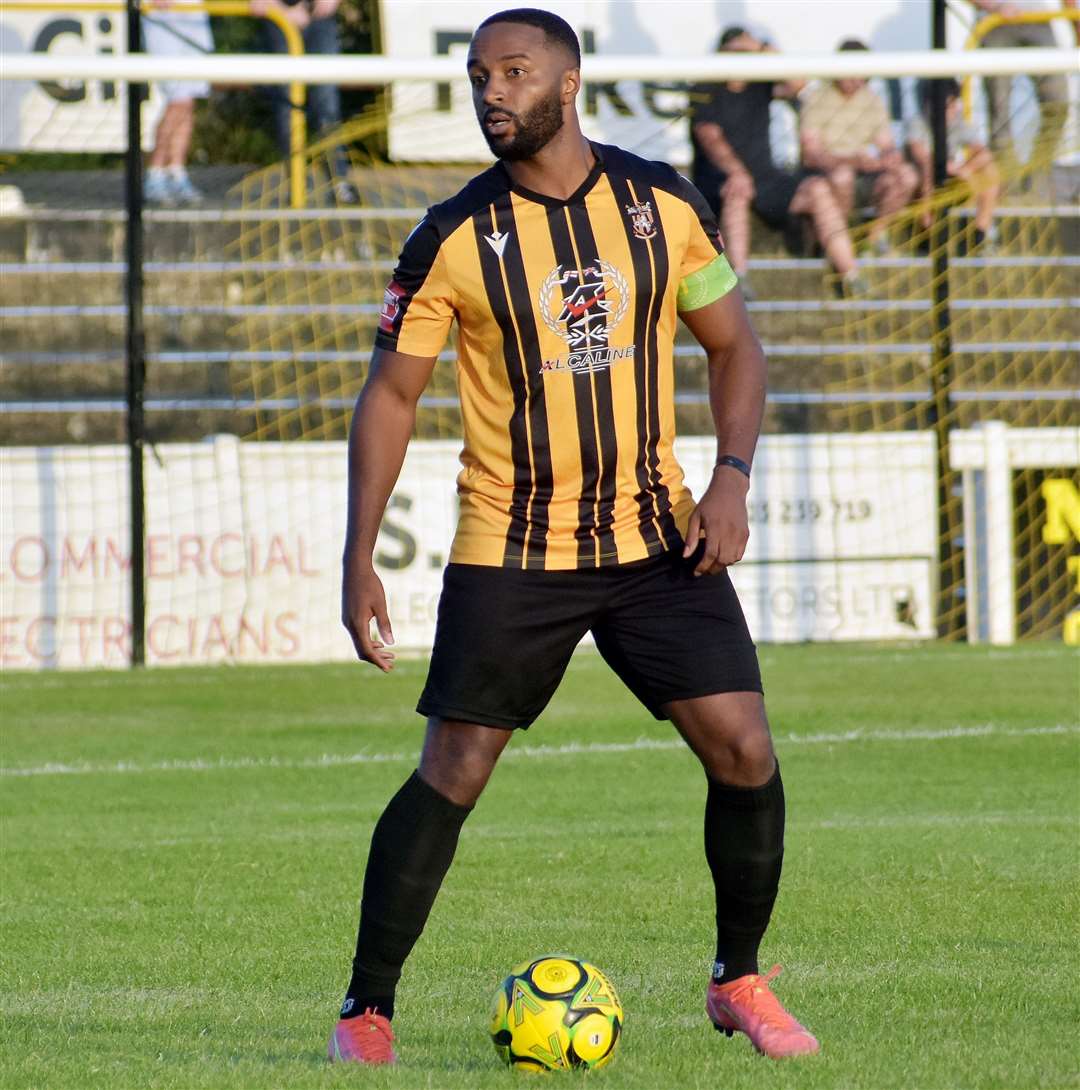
point(179, 893)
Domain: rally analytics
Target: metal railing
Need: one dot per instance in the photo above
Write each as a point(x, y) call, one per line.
point(992, 22)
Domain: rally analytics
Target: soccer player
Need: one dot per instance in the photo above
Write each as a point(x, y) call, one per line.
point(566, 265)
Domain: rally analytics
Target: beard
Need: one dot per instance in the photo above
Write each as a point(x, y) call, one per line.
point(533, 130)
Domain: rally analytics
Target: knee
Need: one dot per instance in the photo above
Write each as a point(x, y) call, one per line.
point(817, 189)
point(743, 756)
point(842, 177)
point(458, 759)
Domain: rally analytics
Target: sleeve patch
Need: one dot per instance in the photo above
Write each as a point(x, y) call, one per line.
point(705, 286)
point(391, 304)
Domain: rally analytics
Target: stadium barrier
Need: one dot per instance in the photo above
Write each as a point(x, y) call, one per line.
point(872, 517)
point(294, 43)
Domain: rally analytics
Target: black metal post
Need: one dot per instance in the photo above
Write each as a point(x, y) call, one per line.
point(135, 345)
point(950, 604)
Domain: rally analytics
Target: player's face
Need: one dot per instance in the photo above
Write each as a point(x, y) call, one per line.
point(518, 85)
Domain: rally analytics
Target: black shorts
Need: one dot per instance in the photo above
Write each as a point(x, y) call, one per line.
point(773, 195)
point(504, 637)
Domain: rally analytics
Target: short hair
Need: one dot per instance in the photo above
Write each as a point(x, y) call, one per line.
point(926, 92)
point(555, 28)
point(853, 45)
point(729, 35)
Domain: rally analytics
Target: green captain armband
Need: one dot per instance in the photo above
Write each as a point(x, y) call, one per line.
point(705, 286)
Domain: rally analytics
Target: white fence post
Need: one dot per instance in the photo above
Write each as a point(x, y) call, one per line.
point(1000, 560)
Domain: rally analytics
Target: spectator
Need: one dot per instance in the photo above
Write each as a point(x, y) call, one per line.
point(317, 22)
point(734, 169)
point(1052, 89)
point(172, 32)
point(969, 160)
point(847, 137)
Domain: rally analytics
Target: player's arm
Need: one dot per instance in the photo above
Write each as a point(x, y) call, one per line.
point(381, 426)
point(737, 398)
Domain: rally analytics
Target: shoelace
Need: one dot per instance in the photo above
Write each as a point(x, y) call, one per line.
point(377, 1041)
point(757, 993)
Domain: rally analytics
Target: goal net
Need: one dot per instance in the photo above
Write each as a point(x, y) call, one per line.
point(917, 473)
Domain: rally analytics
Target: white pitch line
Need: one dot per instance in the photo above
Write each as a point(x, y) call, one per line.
point(337, 760)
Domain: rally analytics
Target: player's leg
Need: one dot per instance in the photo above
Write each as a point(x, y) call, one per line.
point(412, 848)
point(744, 819)
point(503, 640)
point(682, 646)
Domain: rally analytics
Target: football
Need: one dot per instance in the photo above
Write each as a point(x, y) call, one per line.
point(555, 1013)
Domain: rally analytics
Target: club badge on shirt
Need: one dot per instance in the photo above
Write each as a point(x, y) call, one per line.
point(641, 219)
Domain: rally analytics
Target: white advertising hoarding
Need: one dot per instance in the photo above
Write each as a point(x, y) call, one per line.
point(75, 115)
point(243, 547)
point(438, 123)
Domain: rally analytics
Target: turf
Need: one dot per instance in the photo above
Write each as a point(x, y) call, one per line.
point(182, 852)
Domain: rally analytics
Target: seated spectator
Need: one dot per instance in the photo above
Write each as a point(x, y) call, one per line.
point(169, 32)
point(317, 22)
point(734, 169)
point(969, 160)
point(846, 136)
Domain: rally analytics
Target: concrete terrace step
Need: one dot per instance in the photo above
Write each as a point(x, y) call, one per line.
point(375, 231)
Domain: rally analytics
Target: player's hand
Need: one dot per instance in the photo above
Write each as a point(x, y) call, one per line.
point(363, 600)
point(720, 520)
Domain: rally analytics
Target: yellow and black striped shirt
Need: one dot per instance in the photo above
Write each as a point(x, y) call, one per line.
point(566, 314)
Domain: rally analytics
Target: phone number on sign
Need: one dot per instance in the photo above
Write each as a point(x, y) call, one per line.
point(797, 511)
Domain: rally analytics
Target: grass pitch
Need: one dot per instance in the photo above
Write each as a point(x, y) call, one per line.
point(182, 853)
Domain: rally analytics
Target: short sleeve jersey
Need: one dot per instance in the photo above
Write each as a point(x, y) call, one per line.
point(744, 118)
point(566, 314)
point(847, 124)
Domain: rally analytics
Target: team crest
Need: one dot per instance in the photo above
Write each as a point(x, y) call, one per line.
point(584, 308)
point(641, 219)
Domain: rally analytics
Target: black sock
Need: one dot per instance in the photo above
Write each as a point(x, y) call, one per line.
point(411, 850)
point(744, 844)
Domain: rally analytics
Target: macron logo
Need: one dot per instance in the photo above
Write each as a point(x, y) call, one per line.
point(497, 241)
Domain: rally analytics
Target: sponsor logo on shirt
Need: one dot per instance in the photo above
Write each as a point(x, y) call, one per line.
point(584, 307)
point(391, 305)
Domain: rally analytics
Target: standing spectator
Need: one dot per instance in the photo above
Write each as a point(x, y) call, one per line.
point(317, 22)
point(969, 160)
point(1052, 90)
point(847, 137)
point(171, 31)
point(734, 168)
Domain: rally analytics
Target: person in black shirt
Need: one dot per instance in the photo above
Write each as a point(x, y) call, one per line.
point(734, 168)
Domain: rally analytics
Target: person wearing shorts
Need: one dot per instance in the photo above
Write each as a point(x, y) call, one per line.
point(846, 137)
point(566, 266)
point(733, 167)
point(170, 32)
